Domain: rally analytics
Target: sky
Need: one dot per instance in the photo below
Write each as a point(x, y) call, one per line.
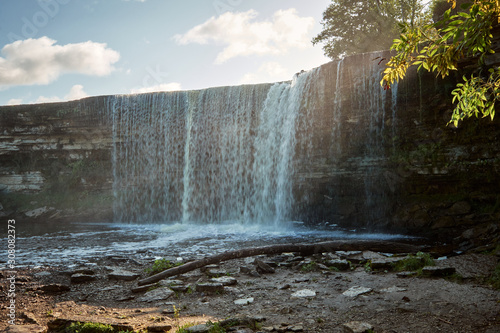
point(58, 50)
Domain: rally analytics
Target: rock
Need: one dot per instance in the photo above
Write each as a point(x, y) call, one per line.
point(159, 328)
point(210, 287)
point(54, 288)
point(340, 264)
point(25, 329)
point(357, 327)
point(42, 274)
point(207, 267)
point(444, 222)
point(123, 275)
point(157, 294)
point(385, 263)
point(244, 301)
point(406, 274)
point(29, 318)
point(433, 271)
point(202, 328)
point(245, 270)
point(356, 291)
point(215, 273)
point(296, 328)
point(393, 289)
point(81, 278)
point(304, 293)
point(459, 208)
point(263, 267)
point(38, 212)
point(225, 280)
point(125, 298)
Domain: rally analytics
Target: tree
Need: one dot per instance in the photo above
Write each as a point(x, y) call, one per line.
point(440, 47)
point(351, 27)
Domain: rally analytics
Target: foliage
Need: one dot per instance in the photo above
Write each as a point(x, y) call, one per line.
point(309, 267)
point(89, 328)
point(414, 262)
point(438, 47)
point(161, 265)
point(351, 27)
point(215, 327)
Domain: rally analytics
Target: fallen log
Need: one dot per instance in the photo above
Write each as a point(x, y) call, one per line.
point(304, 249)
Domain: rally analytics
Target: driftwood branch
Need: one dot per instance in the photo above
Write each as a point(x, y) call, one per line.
point(304, 249)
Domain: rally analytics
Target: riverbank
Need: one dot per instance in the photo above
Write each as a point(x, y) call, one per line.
point(319, 293)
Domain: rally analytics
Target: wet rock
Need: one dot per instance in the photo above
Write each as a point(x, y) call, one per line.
point(156, 295)
point(123, 275)
point(356, 291)
point(357, 327)
point(210, 287)
point(82, 278)
point(304, 293)
point(339, 264)
point(159, 328)
point(263, 267)
point(459, 208)
point(433, 271)
point(38, 212)
point(244, 301)
point(225, 280)
point(54, 288)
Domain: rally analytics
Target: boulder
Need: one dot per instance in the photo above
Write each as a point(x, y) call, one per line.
point(157, 294)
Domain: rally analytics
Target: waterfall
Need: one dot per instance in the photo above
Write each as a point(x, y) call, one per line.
point(209, 156)
point(309, 149)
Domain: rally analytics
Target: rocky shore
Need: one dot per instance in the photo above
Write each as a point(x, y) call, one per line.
point(330, 292)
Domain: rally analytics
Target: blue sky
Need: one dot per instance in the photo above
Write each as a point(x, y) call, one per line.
point(55, 50)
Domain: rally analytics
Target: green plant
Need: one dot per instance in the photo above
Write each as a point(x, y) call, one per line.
point(414, 262)
point(89, 328)
point(160, 265)
point(309, 267)
point(438, 47)
point(368, 266)
point(215, 327)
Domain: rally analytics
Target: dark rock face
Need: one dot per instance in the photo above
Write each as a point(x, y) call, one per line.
point(363, 156)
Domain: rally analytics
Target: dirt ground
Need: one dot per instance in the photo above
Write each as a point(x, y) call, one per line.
point(391, 303)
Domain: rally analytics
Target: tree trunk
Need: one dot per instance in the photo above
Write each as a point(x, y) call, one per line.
point(304, 249)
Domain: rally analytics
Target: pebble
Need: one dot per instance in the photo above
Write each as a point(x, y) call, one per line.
point(304, 293)
point(244, 301)
point(356, 291)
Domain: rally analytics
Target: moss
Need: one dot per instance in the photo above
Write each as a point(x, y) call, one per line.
point(161, 265)
point(309, 267)
point(89, 328)
point(414, 262)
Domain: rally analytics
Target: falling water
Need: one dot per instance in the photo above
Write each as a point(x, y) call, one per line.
point(210, 156)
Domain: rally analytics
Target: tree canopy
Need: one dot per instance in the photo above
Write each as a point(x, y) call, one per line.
point(440, 46)
point(351, 27)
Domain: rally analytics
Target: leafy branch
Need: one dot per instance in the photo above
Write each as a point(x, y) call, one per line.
point(439, 47)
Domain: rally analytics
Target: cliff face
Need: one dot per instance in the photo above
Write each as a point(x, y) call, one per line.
point(332, 146)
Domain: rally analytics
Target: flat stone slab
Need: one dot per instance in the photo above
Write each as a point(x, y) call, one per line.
point(123, 275)
point(304, 293)
point(244, 301)
point(340, 264)
point(224, 280)
point(210, 287)
point(434, 271)
point(158, 294)
point(357, 327)
point(81, 278)
point(393, 289)
point(356, 291)
point(25, 329)
point(54, 288)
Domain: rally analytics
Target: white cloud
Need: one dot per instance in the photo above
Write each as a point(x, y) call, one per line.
point(41, 61)
point(174, 86)
point(76, 92)
point(268, 72)
point(244, 36)
point(15, 101)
